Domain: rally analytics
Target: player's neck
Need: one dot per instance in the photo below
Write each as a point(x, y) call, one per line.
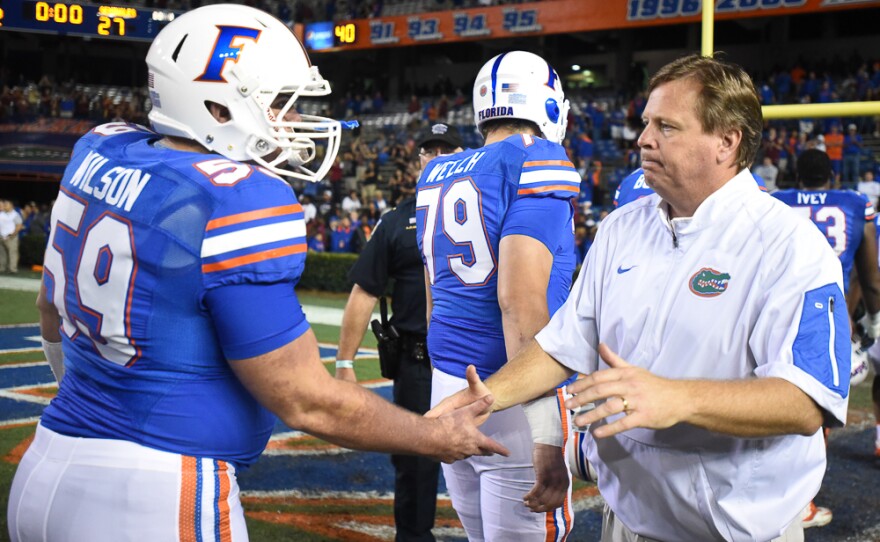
point(180, 144)
point(502, 133)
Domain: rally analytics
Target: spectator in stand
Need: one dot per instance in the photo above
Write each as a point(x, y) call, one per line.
point(852, 154)
point(317, 244)
point(766, 93)
point(10, 226)
point(414, 106)
point(871, 188)
point(352, 202)
point(340, 235)
point(834, 149)
point(583, 147)
point(309, 209)
point(379, 205)
point(370, 181)
point(327, 208)
point(770, 145)
point(769, 173)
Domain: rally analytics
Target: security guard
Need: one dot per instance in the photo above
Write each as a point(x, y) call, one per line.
point(392, 252)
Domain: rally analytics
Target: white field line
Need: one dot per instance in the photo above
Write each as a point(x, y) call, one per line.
point(300, 494)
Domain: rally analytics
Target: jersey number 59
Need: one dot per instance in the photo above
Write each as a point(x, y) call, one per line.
point(101, 281)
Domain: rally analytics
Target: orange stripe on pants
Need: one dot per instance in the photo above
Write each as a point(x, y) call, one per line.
point(223, 503)
point(186, 517)
point(562, 531)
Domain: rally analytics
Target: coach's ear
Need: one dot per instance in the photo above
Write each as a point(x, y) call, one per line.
point(728, 145)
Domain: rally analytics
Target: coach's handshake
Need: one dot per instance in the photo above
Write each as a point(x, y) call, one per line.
point(463, 438)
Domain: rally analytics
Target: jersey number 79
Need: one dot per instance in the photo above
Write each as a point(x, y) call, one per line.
point(458, 213)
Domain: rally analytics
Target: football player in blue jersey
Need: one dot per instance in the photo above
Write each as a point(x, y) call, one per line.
point(168, 306)
point(846, 218)
point(495, 229)
point(633, 187)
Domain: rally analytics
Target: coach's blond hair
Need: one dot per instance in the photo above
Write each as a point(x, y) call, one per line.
point(727, 101)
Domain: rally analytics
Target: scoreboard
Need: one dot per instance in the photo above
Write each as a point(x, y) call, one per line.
point(87, 20)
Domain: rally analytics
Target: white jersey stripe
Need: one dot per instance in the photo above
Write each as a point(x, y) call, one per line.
point(206, 503)
point(252, 237)
point(550, 175)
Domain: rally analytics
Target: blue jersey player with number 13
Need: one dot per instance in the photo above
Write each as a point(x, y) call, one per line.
point(495, 229)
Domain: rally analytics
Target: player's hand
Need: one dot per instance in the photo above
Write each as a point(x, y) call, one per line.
point(346, 374)
point(646, 399)
point(475, 390)
point(551, 479)
point(871, 324)
point(461, 436)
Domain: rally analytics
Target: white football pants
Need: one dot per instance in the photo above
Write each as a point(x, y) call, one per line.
point(487, 492)
point(70, 489)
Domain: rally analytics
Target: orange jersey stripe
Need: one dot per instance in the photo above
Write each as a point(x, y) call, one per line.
point(253, 215)
point(256, 257)
point(536, 163)
point(223, 503)
point(550, 188)
point(186, 518)
point(566, 504)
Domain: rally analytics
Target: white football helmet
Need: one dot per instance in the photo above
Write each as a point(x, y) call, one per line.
point(521, 85)
point(243, 59)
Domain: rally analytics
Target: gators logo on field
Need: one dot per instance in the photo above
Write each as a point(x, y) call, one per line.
point(708, 282)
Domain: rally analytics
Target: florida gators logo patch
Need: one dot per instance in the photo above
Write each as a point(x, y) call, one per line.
point(708, 282)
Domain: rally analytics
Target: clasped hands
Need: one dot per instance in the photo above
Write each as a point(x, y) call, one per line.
point(647, 400)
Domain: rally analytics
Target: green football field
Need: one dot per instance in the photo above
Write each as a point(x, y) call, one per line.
point(18, 307)
point(292, 518)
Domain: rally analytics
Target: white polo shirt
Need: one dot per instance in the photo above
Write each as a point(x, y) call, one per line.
point(744, 288)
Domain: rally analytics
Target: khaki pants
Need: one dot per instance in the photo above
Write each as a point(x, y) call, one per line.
point(613, 530)
point(9, 254)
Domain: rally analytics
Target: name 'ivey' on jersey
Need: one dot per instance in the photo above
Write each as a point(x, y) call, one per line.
point(146, 361)
point(839, 214)
point(466, 203)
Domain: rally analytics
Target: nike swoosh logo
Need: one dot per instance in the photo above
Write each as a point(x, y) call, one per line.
point(621, 270)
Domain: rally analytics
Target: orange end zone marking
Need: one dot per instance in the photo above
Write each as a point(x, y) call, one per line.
point(15, 454)
point(48, 392)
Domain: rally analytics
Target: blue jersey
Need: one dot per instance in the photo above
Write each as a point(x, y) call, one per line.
point(466, 203)
point(154, 258)
point(634, 187)
point(839, 214)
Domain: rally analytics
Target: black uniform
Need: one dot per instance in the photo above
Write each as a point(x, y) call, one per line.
point(393, 252)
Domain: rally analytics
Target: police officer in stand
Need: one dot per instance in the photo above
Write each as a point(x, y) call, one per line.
point(392, 252)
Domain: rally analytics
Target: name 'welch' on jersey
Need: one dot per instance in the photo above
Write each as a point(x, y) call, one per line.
point(453, 167)
point(118, 186)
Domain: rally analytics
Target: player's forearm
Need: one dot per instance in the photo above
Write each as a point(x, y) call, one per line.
point(528, 375)
point(354, 417)
point(355, 319)
point(757, 407)
point(521, 320)
point(50, 320)
point(429, 299)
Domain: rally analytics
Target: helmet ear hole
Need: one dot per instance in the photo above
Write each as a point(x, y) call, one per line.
point(219, 111)
point(552, 107)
